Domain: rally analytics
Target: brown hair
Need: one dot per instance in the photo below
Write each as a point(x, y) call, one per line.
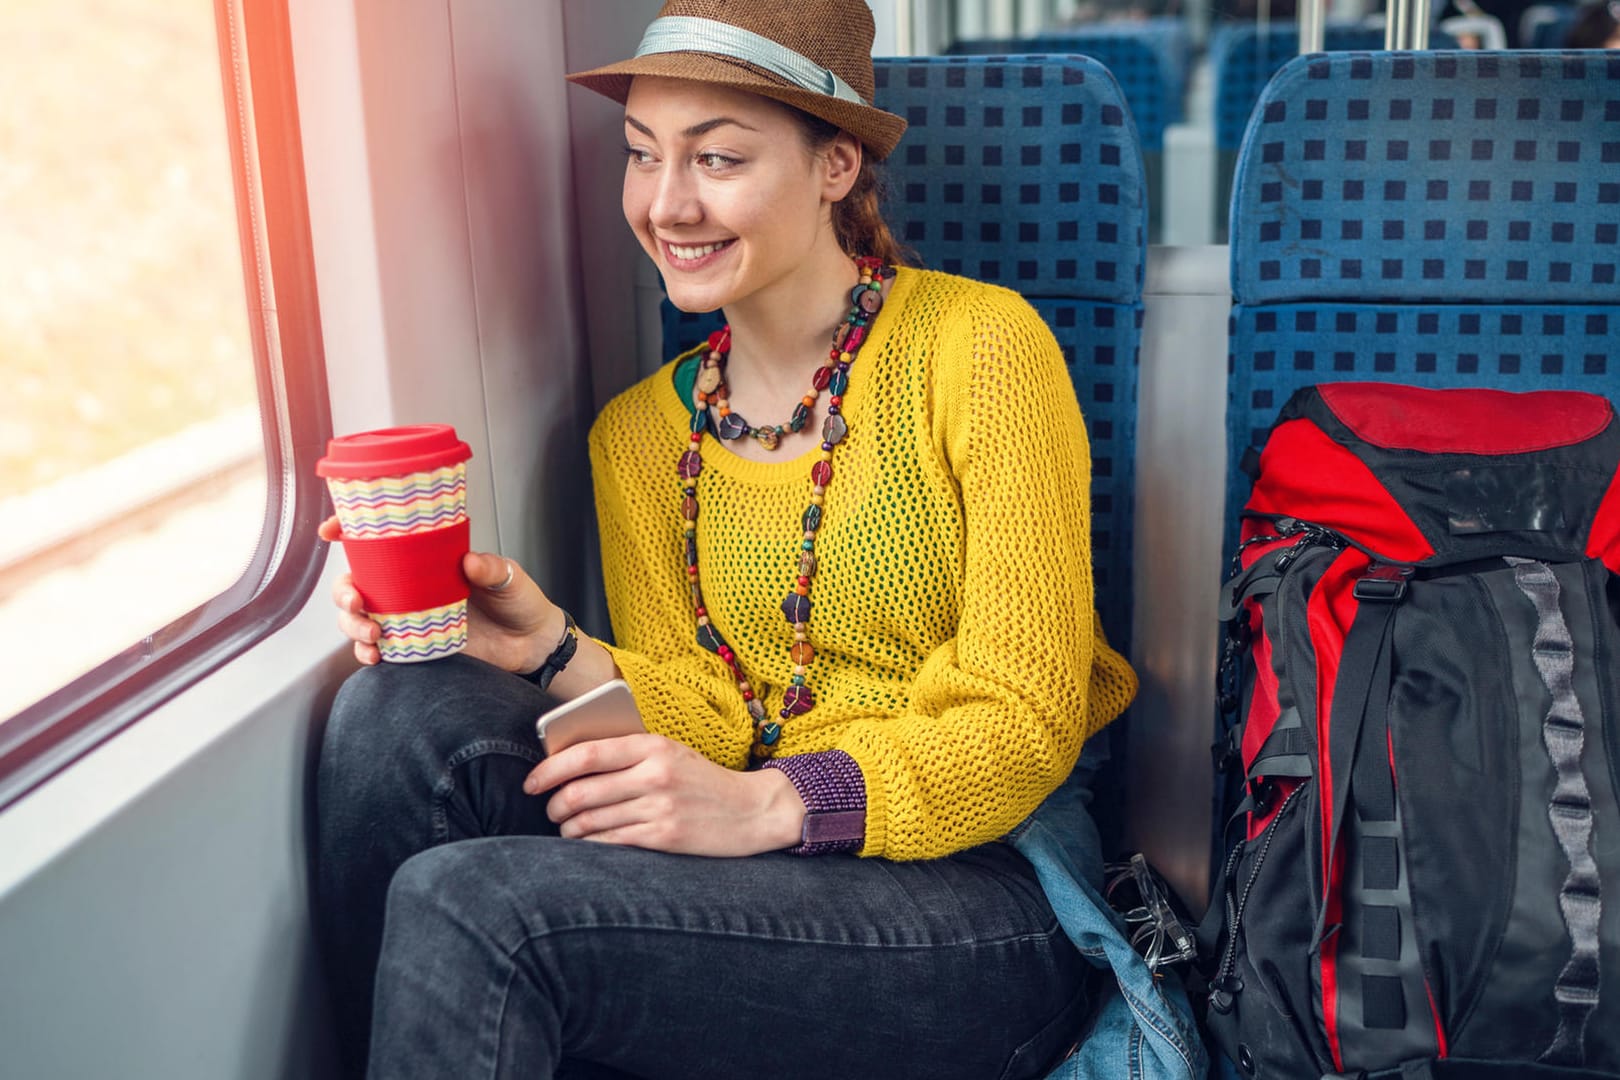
point(858, 217)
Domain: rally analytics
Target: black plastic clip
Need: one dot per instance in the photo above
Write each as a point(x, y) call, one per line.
point(1383, 583)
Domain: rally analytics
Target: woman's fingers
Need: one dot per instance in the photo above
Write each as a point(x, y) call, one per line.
point(353, 620)
point(588, 757)
point(329, 530)
point(605, 800)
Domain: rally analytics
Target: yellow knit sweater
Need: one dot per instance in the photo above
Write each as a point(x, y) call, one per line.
point(958, 658)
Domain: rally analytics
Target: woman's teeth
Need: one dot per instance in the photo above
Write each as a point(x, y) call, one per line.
point(696, 252)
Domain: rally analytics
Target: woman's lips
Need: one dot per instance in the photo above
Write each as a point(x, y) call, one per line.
point(694, 256)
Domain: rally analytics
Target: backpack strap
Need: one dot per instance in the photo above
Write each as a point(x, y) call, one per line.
point(1564, 733)
point(1382, 1005)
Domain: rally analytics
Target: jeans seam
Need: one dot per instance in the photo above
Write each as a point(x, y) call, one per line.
point(493, 1031)
point(1020, 939)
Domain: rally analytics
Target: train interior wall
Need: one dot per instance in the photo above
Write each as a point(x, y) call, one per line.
point(474, 268)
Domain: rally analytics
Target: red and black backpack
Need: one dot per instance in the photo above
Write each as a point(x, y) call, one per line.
point(1422, 683)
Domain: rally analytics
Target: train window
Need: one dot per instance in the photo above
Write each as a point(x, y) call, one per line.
point(159, 338)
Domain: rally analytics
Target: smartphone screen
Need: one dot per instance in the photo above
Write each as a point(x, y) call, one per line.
point(603, 713)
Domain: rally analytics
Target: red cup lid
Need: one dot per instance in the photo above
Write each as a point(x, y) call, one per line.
point(392, 452)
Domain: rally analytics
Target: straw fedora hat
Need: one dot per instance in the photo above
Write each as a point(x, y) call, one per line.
point(815, 55)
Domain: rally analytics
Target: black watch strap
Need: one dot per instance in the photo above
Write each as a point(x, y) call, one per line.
point(559, 657)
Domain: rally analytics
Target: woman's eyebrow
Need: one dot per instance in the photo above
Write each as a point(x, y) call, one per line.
point(692, 132)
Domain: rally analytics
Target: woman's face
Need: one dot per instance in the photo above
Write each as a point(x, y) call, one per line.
point(722, 190)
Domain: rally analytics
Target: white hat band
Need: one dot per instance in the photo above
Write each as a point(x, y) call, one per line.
point(689, 33)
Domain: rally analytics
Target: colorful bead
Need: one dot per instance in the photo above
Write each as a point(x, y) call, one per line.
point(796, 608)
point(865, 301)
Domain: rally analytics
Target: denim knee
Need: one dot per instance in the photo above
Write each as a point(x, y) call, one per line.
point(446, 702)
point(450, 899)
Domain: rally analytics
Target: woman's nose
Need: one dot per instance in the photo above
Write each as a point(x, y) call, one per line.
point(675, 198)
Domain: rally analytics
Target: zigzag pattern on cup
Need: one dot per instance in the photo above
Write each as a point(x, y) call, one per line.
point(399, 505)
point(411, 636)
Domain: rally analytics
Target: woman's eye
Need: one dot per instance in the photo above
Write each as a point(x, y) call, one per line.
point(636, 155)
point(717, 161)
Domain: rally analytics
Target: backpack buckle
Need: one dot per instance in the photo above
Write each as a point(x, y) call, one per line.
point(1383, 583)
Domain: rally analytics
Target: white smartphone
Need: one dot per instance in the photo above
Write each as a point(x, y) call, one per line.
point(602, 713)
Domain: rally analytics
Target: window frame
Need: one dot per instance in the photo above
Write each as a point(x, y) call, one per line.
point(267, 167)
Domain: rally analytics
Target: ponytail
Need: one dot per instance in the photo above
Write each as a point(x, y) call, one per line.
point(857, 218)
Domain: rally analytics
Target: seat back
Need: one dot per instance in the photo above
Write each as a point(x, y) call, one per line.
point(1440, 219)
point(1150, 66)
point(1244, 58)
point(1025, 172)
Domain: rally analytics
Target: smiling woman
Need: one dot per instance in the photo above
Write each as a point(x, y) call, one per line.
point(644, 902)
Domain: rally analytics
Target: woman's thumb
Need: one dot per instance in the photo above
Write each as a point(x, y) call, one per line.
point(487, 571)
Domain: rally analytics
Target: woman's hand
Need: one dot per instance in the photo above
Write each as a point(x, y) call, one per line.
point(513, 627)
point(652, 792)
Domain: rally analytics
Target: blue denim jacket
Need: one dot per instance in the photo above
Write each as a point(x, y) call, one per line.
point(1144, 1029)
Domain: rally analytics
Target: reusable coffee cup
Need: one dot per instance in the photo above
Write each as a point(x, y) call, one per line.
point(401, 499)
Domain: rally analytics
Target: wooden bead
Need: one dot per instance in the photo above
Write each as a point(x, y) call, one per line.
point(803, 653)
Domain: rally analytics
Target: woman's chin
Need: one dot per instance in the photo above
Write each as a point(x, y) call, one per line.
point(694, 301)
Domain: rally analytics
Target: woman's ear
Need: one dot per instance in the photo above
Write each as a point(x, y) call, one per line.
point(841, 164)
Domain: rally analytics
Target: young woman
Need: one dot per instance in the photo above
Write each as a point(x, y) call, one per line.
point(858, 622)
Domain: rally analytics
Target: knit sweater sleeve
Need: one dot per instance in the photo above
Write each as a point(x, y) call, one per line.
point(998, 713)
point(681, 691)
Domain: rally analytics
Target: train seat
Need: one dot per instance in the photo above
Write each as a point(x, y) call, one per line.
point(1243, 58)
point(1025, 172)
point(1150, 62)
point(1453, 219)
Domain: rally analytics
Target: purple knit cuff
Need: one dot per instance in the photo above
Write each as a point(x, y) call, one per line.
point(830, 783)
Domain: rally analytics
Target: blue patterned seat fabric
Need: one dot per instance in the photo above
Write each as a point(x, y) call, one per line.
point(1244, 57)
point(1440, 219)
point(1026, 172)
point(1144, 62)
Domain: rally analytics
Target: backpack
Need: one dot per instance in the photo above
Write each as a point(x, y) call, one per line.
point(1421, 678)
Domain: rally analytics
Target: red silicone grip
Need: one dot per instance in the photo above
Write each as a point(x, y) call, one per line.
point(410, 573)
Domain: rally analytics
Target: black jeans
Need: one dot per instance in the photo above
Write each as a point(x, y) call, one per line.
point(509, 951)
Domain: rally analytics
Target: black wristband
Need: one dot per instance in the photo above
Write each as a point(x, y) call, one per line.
point(559, 657)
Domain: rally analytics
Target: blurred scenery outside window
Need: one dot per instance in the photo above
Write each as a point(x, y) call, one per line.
point(130, 440)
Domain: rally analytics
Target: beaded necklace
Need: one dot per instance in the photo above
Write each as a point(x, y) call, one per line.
point(866, 300)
